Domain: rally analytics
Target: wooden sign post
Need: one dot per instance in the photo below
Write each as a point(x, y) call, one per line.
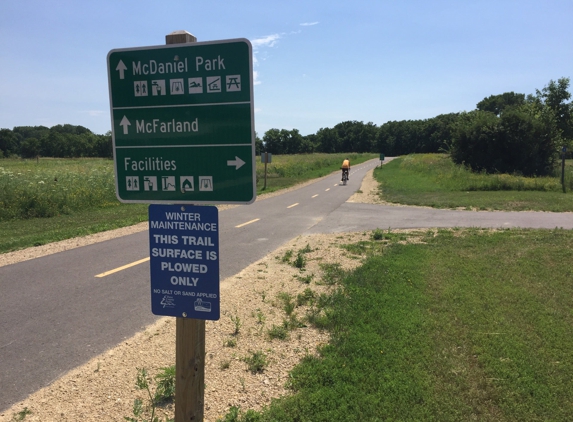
point(189, 337)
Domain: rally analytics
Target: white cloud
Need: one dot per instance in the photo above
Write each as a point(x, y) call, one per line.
point(268, 41)
point(309, 23)
point(256, 80)
point(259, 43)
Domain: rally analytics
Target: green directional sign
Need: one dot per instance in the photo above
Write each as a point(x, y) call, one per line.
point(183, 123)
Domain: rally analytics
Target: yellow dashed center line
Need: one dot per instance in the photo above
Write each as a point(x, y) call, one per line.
point(314, 196)
point(293, 205)
point(133, 264)
point(327, 190)
point(248, 222)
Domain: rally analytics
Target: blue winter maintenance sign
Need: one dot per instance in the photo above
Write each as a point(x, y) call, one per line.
point(184, 261)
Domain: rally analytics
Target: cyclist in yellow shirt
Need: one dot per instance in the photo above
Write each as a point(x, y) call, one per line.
point(345, 168)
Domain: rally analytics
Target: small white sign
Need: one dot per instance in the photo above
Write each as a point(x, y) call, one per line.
point(167, 183)
point(132, 183)
point(195, 85)
point(149, 183)
point(186, 183)
point(140, 88)
point(176, 86)
point(158, 87)
point(213, 84)
point(233, 83)
point(206, 183)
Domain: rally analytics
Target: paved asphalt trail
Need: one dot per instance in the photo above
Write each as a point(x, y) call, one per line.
point(55, 315)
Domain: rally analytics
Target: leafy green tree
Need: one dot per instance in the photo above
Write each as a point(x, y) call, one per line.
point(272, 140)
point(328, 141)
point(259, 146)
point(555, 96)
point(292, 141)
point(438, 133)
point(37, 132)
point(8, 142)
point(400, 137)
point(497, 103)
point(30, 148)
point(310, 144)
point(521, 140)
point(356, 136)
point(103, 146)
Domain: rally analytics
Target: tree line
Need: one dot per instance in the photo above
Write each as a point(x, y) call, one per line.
point(506, 133)
point(62, 141)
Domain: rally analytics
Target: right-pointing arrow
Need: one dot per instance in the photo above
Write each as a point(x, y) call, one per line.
point(237, 162)
point(125, 123)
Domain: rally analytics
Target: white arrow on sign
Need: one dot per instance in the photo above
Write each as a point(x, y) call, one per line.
point(125, 123)
point(122, 68)
point(237, 162)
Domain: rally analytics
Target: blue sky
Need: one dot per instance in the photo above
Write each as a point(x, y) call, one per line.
point(317, 63)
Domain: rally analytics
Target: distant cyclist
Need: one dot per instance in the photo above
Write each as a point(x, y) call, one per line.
point(345, 169)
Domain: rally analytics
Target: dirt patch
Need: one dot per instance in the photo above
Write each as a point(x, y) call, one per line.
point(370, 190)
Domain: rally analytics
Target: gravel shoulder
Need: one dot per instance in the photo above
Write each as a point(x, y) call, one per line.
point(104, 388)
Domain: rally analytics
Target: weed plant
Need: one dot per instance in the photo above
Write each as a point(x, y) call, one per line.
point(237, 324)
point(287, 256)
point(21, 415)
point(308, 297)
point(307, 279)
point(280, 332)
point(300, 261)
point(260, 317)
point(235, 415)
point(256, 362)
point(288, 302)
point(164, 392)
point(231, 342)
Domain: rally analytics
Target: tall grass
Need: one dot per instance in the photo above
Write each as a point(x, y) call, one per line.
point(50, 187)
point(47, 188)
point(434, 180)
point(456, 177)
point(285, 169)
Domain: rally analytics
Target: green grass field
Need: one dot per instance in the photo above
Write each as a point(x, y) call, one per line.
point(433, 180)
point(460, 325)
point(47, 200)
